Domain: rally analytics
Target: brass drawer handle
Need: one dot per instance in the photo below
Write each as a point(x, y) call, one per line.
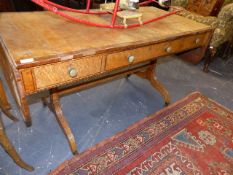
point(168, 49)
point(72, 72)
point(131, 58)
point(197, 40)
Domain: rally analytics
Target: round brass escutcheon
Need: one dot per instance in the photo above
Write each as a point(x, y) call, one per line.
point(197, 40)
point(131, 58)
point(168, 49)
point(72, 72)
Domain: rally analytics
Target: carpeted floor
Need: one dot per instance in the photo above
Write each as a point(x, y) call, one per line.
point(192, 136)
point(100, 112)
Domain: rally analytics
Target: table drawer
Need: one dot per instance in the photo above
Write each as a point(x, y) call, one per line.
point(64, 72)
point(133, 56)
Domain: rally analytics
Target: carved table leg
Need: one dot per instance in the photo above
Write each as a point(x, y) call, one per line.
point(149, 74)
point(7, 146)
point(4, 104)
point(209, 58)
point(62, 121)
point(23, 105)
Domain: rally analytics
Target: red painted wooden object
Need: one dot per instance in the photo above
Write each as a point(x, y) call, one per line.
point(60, 10)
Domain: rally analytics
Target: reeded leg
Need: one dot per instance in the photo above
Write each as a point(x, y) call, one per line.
point(24, 107)
point(150, 75)
point(63, 123)
point(7, 146)
point(211, 51)
point(4, 104)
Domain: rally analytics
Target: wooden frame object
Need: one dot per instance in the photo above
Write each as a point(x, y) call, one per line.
point(75, 57)
point(4, 141)
point(112, 13)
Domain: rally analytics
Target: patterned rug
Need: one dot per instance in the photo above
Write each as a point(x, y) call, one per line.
point(192, 136)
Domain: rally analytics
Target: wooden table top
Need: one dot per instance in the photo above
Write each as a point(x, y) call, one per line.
point(45, 36)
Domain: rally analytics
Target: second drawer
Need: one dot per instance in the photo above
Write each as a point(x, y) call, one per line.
point(133, 56)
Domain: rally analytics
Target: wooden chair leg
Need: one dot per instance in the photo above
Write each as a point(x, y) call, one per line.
point(150, 75)
point(7, 146)
point(62, 122)
point(211, 51)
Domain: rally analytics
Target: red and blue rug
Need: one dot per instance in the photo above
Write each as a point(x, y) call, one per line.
point(192, 136)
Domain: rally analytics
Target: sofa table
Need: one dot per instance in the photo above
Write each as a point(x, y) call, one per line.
point(42, 51)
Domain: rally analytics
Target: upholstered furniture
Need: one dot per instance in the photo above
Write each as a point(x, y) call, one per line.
point(223, 22)
point(4, 141)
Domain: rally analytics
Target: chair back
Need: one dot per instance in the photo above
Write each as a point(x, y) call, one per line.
point(205, 7)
